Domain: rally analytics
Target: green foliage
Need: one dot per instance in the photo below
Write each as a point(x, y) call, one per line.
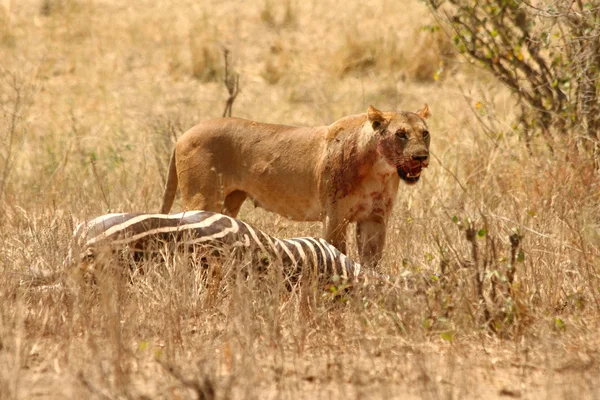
point(520, 256)
point(547, 54)
point(448, 336)
point(338, 290)
point(559, 324)
point(497, 301)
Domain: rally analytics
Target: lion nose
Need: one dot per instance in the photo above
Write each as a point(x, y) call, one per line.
point(420, 157)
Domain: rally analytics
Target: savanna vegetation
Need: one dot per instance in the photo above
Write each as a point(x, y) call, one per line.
point(496, 251)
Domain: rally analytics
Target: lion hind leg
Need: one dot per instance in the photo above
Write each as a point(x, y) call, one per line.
point(201, 189)
point(205, 198)
point(233, 202)
point(170, 186)
point(214, 201)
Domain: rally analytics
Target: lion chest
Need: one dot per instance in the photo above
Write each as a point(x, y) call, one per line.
point(374, 195)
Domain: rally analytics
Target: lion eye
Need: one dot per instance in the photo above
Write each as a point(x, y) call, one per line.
point(425, 134)
point(401, 134)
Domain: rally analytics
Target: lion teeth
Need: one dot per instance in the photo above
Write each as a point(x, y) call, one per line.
point(415, 175)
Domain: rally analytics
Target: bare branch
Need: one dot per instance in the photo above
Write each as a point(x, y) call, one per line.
point(204, 390)
point(232, 83)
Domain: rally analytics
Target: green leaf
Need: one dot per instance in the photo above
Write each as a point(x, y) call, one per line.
point(455, 219)
point(427, 323)
point(481, 233)
point(559, 324)
point(520, 256)
point(158, 353)
point(143, 345)
point(448, 336)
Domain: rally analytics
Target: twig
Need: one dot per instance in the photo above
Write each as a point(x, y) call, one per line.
point(65, 160)
point(93, 389)
point(93, 163)
point(515, 242)
point(464, 189)
point(471, 236)
point(204, 391)
point(232, 83)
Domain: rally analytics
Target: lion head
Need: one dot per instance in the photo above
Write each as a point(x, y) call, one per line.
point(403, 140)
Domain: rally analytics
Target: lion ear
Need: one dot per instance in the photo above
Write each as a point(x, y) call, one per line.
point(376, 118)
point(424, 112)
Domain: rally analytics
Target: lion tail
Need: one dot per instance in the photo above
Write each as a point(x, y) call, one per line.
point(170, 186)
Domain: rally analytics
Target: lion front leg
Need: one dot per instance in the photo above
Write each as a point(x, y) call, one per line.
point(335, 232)
point(370, 239)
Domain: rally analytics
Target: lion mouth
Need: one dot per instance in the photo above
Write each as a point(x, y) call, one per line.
point(410, 172)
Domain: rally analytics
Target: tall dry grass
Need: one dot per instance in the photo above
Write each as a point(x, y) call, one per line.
point(93, 94)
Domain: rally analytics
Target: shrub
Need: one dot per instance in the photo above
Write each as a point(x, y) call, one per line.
point(549, 57)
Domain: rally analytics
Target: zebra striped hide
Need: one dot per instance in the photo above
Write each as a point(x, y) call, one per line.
point(202, 231)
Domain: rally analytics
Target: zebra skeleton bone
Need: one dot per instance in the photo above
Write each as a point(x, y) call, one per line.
point(209, 230)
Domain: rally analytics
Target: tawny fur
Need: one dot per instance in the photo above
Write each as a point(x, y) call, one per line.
point(346, 172)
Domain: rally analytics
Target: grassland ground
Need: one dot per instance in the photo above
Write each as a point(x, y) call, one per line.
point(496, 251)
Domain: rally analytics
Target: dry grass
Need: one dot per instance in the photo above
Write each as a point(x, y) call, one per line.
point(104, 86)
point(207, 63)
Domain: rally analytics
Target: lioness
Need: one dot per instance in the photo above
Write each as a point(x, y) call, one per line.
point(345, 172)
